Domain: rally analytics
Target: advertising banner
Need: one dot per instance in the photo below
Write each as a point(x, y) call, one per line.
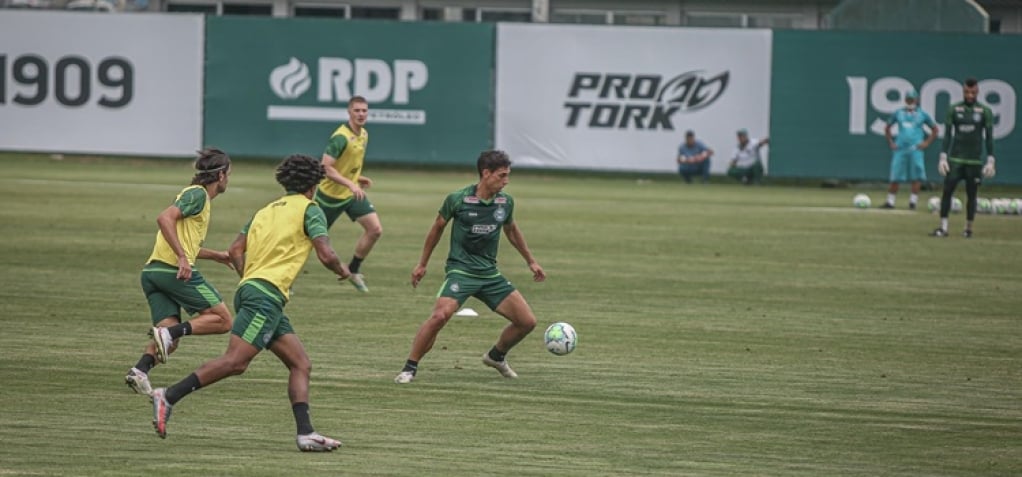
point(94, 83)
point(281, 86)
point(621, 98)
point(834, 91)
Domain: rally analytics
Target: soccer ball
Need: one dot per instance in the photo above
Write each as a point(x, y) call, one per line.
point(1000, 206)
point(933, 205)
point(984, 206)
point(560, 338)
point(956, 205)
point(861, 201)
point(1015, 206)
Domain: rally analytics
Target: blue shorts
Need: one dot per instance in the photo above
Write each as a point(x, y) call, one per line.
point(907, 166)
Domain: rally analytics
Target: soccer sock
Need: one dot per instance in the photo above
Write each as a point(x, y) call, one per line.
point(179, 330)
point(411, 366)
point(496, 354)
point(145, 363)
point(913, 199)
point(355, 264)
point(302, 419)
point(183, 388)
point(943, 224)
point(890, 198)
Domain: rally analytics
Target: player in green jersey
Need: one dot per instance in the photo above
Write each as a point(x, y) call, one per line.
point(968, 128)
point(170, 281)
point(269, 253)
point(478, 213)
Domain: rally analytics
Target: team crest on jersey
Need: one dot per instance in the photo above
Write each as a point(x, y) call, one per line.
point(500, 214)
point(455, 287)
point(471, 199)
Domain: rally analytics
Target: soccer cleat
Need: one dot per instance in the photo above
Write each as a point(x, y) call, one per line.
point(316, 443)
point(967, 233)
point(911, 206)
point(359, 281)
point(138, 382)
point(163, 341)
point(161, 412)
point(501, 366)
point(404, 377)
point(938, 232)
point(887, 205)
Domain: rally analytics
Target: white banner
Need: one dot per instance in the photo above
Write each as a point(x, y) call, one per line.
point(101, 83)
point(621, 98)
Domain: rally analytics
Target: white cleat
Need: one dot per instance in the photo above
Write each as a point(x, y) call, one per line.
point(316, 443)
point(139, 382)
point(359, 282)
point(501, 366)
point(163, 341)
point(404, 377)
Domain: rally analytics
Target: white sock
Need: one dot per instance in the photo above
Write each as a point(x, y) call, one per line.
point(914, 198)
point(943, 224)
point(890, 198)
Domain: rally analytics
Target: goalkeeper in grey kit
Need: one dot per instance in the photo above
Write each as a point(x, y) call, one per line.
point(968, 129)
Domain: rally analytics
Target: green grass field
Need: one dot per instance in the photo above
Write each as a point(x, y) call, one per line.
point(724, 330)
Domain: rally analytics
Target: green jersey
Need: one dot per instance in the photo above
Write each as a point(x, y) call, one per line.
point(475, 230)
point(967, 128)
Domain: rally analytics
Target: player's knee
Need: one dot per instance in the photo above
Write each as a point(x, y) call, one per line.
point(236, 366)
point(374, 233)
point(528, 323)
point(224, 321)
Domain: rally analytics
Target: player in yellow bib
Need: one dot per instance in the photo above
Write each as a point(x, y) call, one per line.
point(169, 279)
point(342, 191)
point(269, 253)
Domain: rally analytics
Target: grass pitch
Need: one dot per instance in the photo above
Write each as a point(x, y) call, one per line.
point(724, 330)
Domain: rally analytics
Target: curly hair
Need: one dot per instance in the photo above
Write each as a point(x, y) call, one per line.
point(492, 160)
point(209, 164)
point(299, 173)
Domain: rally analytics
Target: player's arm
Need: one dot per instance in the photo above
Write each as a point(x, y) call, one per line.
point(949, 128)
point(236, 252)
point(217, 255)
point(436, 231)
point(167, 222)
point(933, 133)
point(329, 160)
point(316, 229)
point(517, 239)
point(762, 142)
point(887, 131)
point(988, 132)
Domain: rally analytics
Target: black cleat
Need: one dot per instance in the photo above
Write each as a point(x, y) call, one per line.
point(911, 206)
point(967, 233)
point(938, 232)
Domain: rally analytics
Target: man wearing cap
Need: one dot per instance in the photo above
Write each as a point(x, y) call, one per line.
point(746, 165)
point(907, 160)
point(694, 158)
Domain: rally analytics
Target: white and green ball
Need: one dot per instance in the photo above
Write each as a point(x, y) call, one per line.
point(560, 338)
point(933, 205)
point(861, 201)
point(984, 206)
point(956, 205)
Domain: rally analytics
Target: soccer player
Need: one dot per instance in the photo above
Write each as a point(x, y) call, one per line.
point(907, 160)
point(968, 127)
point(169, 278)
point(268, 254)
point(746, 164)
point(479, 212)
point(342, 191)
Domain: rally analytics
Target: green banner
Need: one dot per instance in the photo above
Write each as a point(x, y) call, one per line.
point(832, 92)
point(281, 86)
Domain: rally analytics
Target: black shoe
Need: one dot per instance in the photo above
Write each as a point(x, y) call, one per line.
point(911, 206)
point(938, 232)
point(967, 233)
point(887, 205)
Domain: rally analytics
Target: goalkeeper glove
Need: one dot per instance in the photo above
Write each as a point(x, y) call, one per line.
point(988, 169)
point(942, 167)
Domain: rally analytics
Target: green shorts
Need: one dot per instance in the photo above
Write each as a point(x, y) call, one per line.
point(491, 290)
point(333, 208)
point(969, 172)
point(167, 295)
point(259, 310)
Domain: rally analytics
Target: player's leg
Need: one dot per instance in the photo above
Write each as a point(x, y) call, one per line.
point(425, 337)
point(916, 175)
point(503, 298)
point(163, 311)
point(950, 183)
point(973, 179)
point(897, 176)
point(363, 212)
point(198, 298)
point(289, 349)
